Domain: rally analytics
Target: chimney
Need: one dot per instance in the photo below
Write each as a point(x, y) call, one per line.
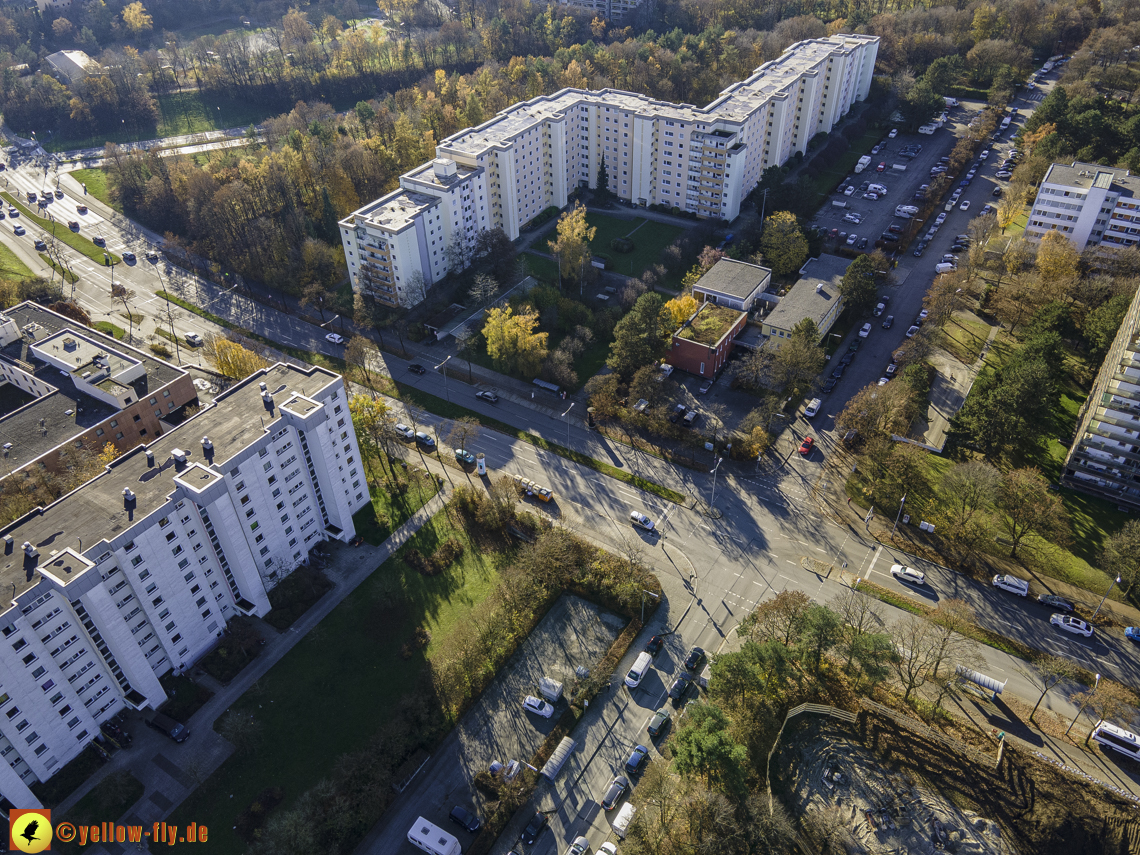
point(206, 444)
point(149, 458)
point(819, 288)
point(28, 548)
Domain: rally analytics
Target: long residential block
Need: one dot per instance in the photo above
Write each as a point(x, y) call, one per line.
point(505, 172)
point(137, 571)
point(1091, 205)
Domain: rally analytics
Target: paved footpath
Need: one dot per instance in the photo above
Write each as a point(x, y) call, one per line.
point(171, 772)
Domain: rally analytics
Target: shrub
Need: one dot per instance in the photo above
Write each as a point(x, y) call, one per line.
point(158, 348)
point(421, 638)
point(251, 819)
point(621, 244)
point(440, 560)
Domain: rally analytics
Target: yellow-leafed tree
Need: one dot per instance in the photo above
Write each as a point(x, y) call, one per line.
point(137, 20)
point(231, 359)
point(512, 342)
point(572, 249)
point(682, 308)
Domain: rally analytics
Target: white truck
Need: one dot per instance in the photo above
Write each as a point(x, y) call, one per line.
point(951, 102)
point(863, 163)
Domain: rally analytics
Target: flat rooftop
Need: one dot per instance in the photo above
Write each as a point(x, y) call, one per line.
point(735, 278)
point(709, 324)
point(43, 423)
point(393, 212)
point(1086, 175)
point(96, 510)
point(803, 299)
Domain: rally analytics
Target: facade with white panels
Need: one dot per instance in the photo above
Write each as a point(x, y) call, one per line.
point(611, 10)
point(1091, 205)
point(530, 157)
point(136, 572)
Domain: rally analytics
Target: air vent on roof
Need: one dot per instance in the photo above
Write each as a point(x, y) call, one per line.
point(149, 457)
point(179, 455)
point(206, 444)
point(69, 412)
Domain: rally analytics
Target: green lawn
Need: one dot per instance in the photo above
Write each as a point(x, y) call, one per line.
point(60, 230)
point(96, 181)
point(649, 238)
point(541, 268)
point(110, 329)
point(336, 689)
point(963, 338)
point(10, 266)
point(389, 511)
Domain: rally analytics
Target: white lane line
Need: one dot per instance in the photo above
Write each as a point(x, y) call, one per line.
point(871, 569)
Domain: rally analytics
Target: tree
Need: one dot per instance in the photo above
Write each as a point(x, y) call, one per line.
point(682, 308)
point(371, 420)
point(780, 618)
point(465, 429)
point(572, 248)
point(137, 20)
point(795, 363)
point(878, 411)
point(916, 642)
point(1101, 323)
point(240, 729)
point(512, 342)
point(858, 285)
point(953, 617)
point(1030, 509)
point(859, 616)
point(315, 294)
point(1049, 672)
point(119, 292)
point(941, 299)
point(967, 489)
point(1121, 555)
point(1057, 258)
point(783, 243)
point(361, 353)
point(640, 337)
point(822, 630)
point(231, 359)
point(602, 191)
point(1007, 211)
point(483, 290)
point(704, 747)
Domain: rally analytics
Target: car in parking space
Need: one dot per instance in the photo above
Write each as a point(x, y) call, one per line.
point(882, 167)
point(405, 431)
point(538, 706)
point(659, 722)
point(908, 574)
point(896, 229)
point(958, 247)
point(847, 358)
point(940, 219)
point(987, 209)
point(883, 381)
point(920, 249)
point(851, 238)
point(425, 439)
point(616, 790)
point(984, 154)
point(853, 217)
point(923, 315)
point(464, 819)
point(464, 457)
point(965, 206)
point(1132, 633)
point(332, 337)
point(894, 133)
point(1071, 624)
point(708, 384)
point(1055, 602)
point(813, 407)
point(696, 657)
point(690, 418)
point(971, 174)
point(534, 828)
point(678, 412)
point(680, 687)
point(838, 372)
point(849, 189)
point(641, 521)
point(865, 330)
point(829, 384)
point(580, 846)
point(654, 645)
point(637, 759)
point(874, 197)
point(416, 368)
point(912, 332)
point(854, 345)
point(889, 322)
point(194, 340)
point(1004, 174)
point(807, 446)
point(889, 238)
point(863, 243)
point(948, 258)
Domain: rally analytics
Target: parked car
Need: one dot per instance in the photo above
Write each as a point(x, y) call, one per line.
point(1055, 602)
point(1003, 174)
point(1132, 633)
point(464, 457)
point(908, 574)
point(580, 846)
point(488, 396)
point(708, 384)
point(812, 408)
point(690, 418)
point(166, 725)
point(851, 238)
point(405, 431)
point(659, 722)
point(654, 645)
point(889, 238)
point(891, 369)
point(425, 439)
point(696, 657)
point(679, 687)
point(837, 374)
point(865, 330)
point(464, 819)
point(538, 706)
point(194, 340)
point(912, 332)
point(616, 790)
point(641, 520)
point(637, 759)
point(1071, 624)
point(678, 412)
point(333, 337)
point(889, 322)
point(894, 133)
point(807, 446)
point(829, 384)
point(416, 368)
point(534, 828)
point(923, 315)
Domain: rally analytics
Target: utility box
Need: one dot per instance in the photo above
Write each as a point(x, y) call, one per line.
point(550, 689)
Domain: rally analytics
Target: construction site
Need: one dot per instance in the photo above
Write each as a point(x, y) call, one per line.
point(880, 787)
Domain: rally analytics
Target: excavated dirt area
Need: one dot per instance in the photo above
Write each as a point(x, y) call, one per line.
point(875, 787)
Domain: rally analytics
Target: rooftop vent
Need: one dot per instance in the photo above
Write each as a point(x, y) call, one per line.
point(206, 444)
point(262, 386)
point(28, 548)
point(179, 455)
point(128, 499)
point(149, 457)
point(70, 344)
point(819, 288)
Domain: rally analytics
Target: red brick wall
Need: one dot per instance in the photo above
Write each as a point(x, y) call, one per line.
point(688, 355)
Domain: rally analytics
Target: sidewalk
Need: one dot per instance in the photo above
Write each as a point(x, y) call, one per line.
point(171, 772)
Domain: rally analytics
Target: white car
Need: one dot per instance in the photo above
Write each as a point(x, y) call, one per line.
point(580, 846)
point(813, 407)
point(194, 339)
point(850, 189)
point(1004, 174)
point(851, 238)
point(894, 133)
point(538, 706)
point(853, 218)
point(923, 315)
point(641, 521)
point(865, 330)
point(334, 338)
point(984, 154)
point(965, 206)
point(874, 197)
point(940, 219)
point(405, 431)
point(912, 332)
point(908, 574)
point(883, 381)
point(1071, 624)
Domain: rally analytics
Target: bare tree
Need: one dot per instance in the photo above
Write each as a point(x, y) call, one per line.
point(916, 643)
point(119, 292)
point(968, 489)
point(463, 430)
point(860, 615)
point(953, 617)
point(1048, 673)
point(361, 353)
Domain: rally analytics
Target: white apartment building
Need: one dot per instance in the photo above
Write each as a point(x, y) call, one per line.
point(1105, 456)
point(610, 10)
point(1091, 205)
point(507, 171)
point(137, 571)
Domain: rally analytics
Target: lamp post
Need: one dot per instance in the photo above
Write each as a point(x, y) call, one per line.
point(1082, 709)
point(564, 416)
point(712, 471)
point(643, 593)
point(1112, 584)
point(446, 393)
point(899, 514)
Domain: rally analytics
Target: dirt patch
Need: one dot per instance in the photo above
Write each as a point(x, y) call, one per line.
point(900, 791)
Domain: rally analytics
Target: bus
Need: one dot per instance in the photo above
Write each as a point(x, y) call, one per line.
point(432, 839)
point(1118, 739)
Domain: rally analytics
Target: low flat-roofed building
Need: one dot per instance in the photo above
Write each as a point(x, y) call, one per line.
point(68, 66)
point(815, 295)
point(732, 283)
point(63, 384)
point(703, 343)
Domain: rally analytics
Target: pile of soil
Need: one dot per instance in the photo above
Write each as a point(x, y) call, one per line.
point(877, 787)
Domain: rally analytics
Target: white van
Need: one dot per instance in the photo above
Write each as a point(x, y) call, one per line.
point(638, 671)
point(813, 407)
point(945, 267)
point(838, 204)
point(1012, 584)
point(951, 102)
point(432, 839)
point(1118, 739)
point(623, 819)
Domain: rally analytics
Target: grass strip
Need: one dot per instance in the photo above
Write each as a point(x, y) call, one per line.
point(108, 328)
point(319, 359)
point(10, 265)
point(454, 411)
point(62, 232)
point(96, 183)
point(67, 275)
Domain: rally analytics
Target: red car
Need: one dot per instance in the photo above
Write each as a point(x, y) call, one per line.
point(881, 167)
point(807, 446)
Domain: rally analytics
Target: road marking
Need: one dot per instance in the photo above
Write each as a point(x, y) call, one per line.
point(871, 569)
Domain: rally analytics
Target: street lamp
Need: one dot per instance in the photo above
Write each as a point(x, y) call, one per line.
point(1085, 704)
point(643, 593)
point(894, 528)
point(1114, 582)
point(712, 498)
point(446, 393)
point(563, 416)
